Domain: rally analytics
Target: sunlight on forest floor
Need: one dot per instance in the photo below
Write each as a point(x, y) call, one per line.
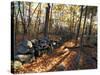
point(47, 39)
point(61, 57)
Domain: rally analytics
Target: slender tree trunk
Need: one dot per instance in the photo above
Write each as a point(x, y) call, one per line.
point(46, 21)
point(35, 9)
point(34, 33)
point(50, 20)
point(81, 41)
point(23, 21)
point(21, 17)
point(16, 17)
point(37, 24)
point(39, 20)
point(16, 22)
point(90, 27)
point(70, 28)
point(73, 20)
point(29, 12)
point(29, 18)
point(78, 29)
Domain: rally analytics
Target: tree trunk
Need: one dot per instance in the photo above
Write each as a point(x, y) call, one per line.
point(90, 27)
point(29, 18)
point(73, 20)
point(29, 14)
point(78, 29)
point(23, 21)
point(21, 16)
point(39, 20)
point(16, 17)
point(35, 9)
point(46, 21)
point(16, 22)
point(50, 20)
point(81, 41)
point(37, 24)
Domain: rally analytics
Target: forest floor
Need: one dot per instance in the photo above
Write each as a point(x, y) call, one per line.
point(66, 57)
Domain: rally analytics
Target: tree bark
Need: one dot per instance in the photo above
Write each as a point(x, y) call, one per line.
point(29, 18)
point(37, 24)
point(81, 41)
point(50, 20)
point(29, 12)
point(22, 18)
point(78, 29)
point(46, 21)
point(23, 21)
point(16, 22)
point(90, 27)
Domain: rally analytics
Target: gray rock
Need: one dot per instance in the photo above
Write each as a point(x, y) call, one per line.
point(17, 64)
point(24, 46)
point(23, 58)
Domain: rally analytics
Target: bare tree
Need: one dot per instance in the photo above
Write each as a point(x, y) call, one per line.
point(35, 9)
point(22, 19)
point(22, 15)
point(37, 23)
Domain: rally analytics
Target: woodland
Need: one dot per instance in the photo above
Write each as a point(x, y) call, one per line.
point(50, 37)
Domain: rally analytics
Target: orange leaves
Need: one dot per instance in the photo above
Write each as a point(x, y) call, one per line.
point(44, 63)
point(69, 44)
point(62, 59)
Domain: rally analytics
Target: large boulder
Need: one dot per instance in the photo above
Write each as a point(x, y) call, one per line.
point(24, 46)
point(24, 51)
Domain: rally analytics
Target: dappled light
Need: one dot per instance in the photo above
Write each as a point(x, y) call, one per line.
point(51, 37)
